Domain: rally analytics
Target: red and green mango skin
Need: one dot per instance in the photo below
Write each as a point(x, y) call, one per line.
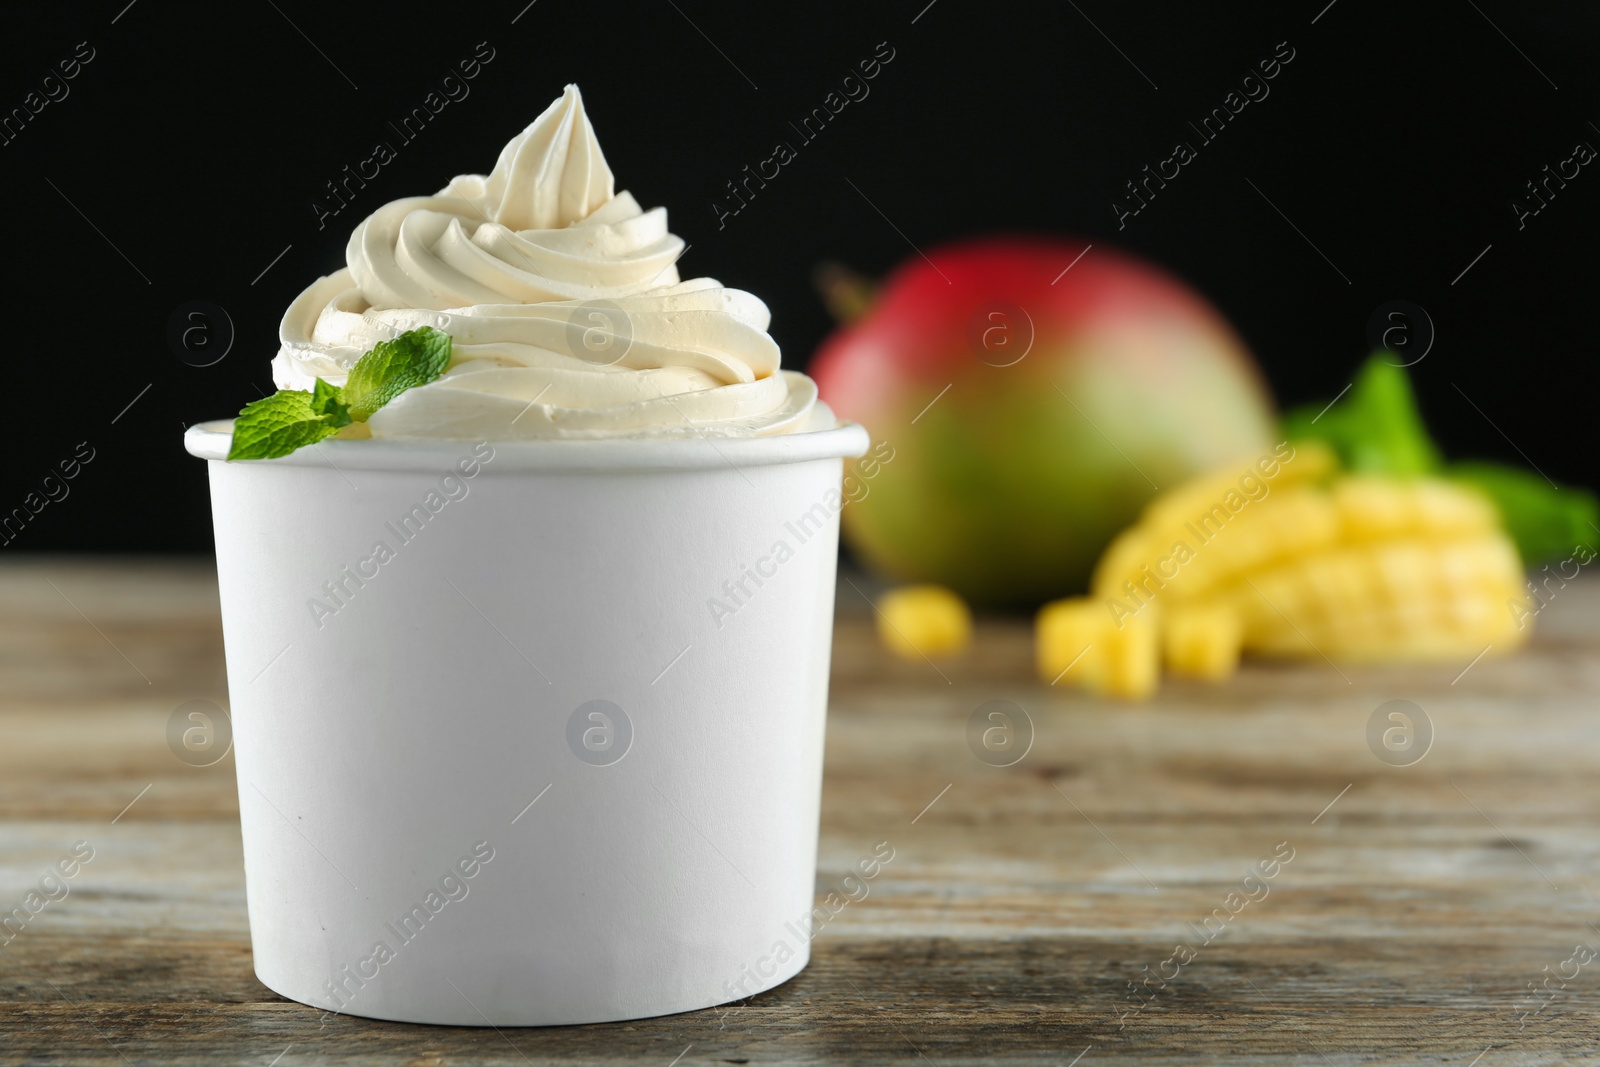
point(1011, 484)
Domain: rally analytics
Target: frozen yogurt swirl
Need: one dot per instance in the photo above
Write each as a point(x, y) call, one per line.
point(564, 305)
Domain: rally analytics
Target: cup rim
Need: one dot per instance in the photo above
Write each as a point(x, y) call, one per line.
point(210, 441)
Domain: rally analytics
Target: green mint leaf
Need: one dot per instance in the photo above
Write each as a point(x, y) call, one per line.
point(1547, 522)
point(329, 400)
point(415, 358)
point(279, 424)
point(1375, 428)
point(292, 418)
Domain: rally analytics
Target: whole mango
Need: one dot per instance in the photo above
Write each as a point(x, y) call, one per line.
point(1037, 393)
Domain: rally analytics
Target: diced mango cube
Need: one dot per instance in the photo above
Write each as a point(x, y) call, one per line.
point(924, 620)
point(1068, 640)
point(1202, 640)
point(1132, 660)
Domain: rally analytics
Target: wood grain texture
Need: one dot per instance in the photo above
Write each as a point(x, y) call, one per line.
point(1019, 905)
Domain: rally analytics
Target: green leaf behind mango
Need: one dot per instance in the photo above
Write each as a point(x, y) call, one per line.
point(1546, 521)
point(1376, 429)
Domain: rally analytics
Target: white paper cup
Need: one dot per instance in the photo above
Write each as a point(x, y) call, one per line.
point(553, 753)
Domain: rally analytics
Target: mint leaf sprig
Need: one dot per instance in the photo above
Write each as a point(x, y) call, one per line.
point(293, 418)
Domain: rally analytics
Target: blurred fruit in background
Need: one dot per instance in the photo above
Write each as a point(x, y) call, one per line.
point(926, 621)
point(1307, 562)
point(1352, 541)
point(1038, 393)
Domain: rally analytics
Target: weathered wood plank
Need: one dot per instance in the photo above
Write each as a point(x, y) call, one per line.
point(1419, 903)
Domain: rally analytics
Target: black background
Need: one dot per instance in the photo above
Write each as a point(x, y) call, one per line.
point(190, 150)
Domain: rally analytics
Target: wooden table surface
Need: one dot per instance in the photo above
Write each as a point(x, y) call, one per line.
point(1421, 907)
